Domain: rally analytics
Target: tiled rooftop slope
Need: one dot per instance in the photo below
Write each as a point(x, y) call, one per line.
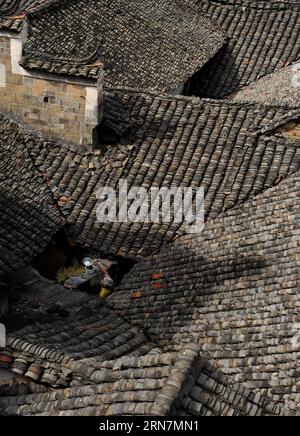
point(29, 216)
point(231, 149)
point(263, 37)
point(157, 384)
point(143, 44)
point(234, 288)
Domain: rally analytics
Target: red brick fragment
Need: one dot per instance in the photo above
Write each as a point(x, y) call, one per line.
point(157, 276)
point(136, 295)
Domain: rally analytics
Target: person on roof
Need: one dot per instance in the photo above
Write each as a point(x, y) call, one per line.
point(107, 282)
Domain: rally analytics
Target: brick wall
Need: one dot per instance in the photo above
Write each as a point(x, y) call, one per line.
point(64, 107)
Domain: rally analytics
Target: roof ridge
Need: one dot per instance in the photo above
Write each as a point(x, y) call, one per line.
point(42, 7)
point(150, 22)
point(175, 385)
point(28, 7)
point(194, 99)
point(9, 9)
point(228, 212)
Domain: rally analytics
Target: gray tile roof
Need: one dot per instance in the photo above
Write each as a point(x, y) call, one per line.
point(263, 37)
point(155, 384)
point(234, 288)
point(126, 386)
point(228, 148)
point(171, 142)
point(281, 88)
point(147, 44)
point(130, 390)
point(13, 12)
point(208, 325)
point(29, 216)
point(10, 384)
point(67, 351)
point(211, 393)
point(111, 368)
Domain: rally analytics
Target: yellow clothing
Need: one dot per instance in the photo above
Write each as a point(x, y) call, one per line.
point(104, 293)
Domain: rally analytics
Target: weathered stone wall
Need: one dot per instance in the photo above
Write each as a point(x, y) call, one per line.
point(65, 108)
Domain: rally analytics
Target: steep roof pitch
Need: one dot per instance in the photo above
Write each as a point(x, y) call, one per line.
point(146, 44)
point(263, 37)
point(230, 149)
point(176, 142)
point(281, 88)
point(28, 216)
point(234, 288)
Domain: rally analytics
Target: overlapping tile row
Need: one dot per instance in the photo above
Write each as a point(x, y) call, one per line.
point(68, 350)
point(281, 88)
point(211, 393)
point(154, 384)
point(146, 44)
point(229, 149)
point(125, 387)
point(263, 37)
point(29, 216)
point(10, 7)
point(234, 288)
point(73, 69)
point(171, 142)
point(128, 385)
point(47, 292)
point(13, 12)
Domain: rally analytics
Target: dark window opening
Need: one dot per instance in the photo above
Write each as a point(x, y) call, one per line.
point(104, 136)
point(49, 99)
point(187, 87)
